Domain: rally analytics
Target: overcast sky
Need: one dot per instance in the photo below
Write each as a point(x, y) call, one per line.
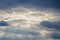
point(29, 19)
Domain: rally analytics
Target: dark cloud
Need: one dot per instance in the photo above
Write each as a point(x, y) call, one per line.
point(51, 25)
point(5, 4)
point(8, 4)
point(48, 3)
point(55, 36)
point(3, 23)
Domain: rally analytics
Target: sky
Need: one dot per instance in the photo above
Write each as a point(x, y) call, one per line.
point(29, 19)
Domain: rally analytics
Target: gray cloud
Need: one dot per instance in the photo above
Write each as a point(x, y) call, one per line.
point(3, 23)
point(6, 4)
point(55, 36)
point(20, 31)
point(51, 25)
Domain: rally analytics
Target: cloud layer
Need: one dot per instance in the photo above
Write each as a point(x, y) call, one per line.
point(8, 4)
point(23, 21)
point(29, 24)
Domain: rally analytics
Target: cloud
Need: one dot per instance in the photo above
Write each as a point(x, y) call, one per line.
point(8, 4)
point(55, 36)
point(20, 31)
point(2, 23)
point(54, 27)
point(27, 24)
point(51, 25)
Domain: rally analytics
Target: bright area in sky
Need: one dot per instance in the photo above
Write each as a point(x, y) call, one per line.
point(26, 15)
